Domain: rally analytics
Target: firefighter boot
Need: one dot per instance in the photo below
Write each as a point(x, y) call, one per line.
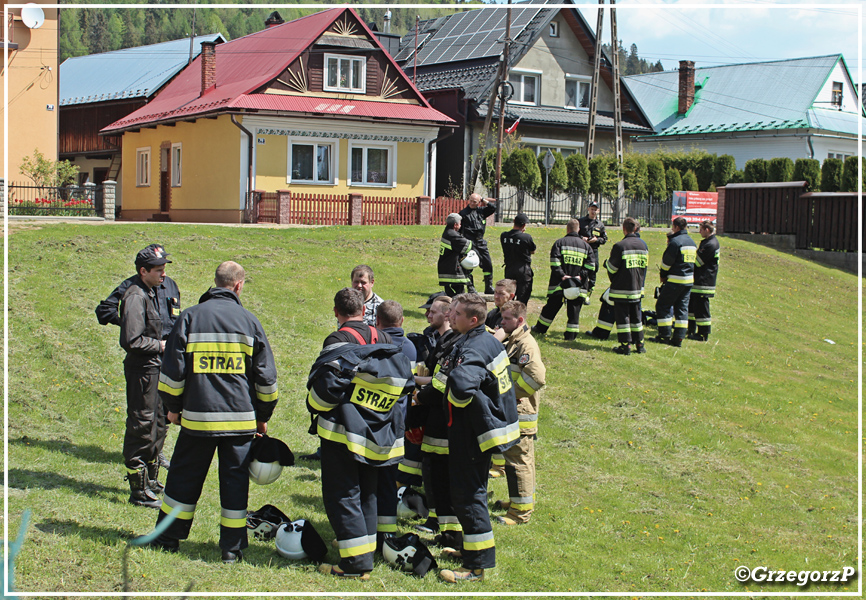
point(488, 284)
point(139, 492)
point(153, 478)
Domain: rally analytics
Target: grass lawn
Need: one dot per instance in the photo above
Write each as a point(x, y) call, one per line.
point(656, 473)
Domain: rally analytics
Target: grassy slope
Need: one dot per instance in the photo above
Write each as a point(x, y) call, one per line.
point(656, 473)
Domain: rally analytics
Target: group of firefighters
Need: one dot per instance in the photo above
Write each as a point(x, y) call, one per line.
point(391, 410)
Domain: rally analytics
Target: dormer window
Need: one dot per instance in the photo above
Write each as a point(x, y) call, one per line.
point(554, 29)
point(837, 94)
point(577, 90)
point(525, 87)
point(345, 74)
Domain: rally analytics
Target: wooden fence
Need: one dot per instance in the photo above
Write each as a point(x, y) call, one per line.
point(389, 211)
point(823, 221)
point(319, 209)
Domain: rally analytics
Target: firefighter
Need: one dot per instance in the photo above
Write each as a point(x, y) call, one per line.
point(677, 276)
point(517, 250)
point(452, 248)
point(626, 268)
point(219, 383)
point(473, 227)
point(592, 231)
point(141, 338)
point(528, 376)
point(483, 420)
point(570, 257)
point(357, 389)
point(704, 288)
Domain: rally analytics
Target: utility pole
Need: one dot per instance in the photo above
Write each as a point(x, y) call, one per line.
point(596, 72)
point(415, 54)
point(191, 36)
point(617, 105)
point(503, 98)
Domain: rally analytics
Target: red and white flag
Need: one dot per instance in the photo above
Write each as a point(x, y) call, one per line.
point(513, 127)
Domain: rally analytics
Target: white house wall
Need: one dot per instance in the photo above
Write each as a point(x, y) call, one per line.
point(742, 149)
point(850, 99)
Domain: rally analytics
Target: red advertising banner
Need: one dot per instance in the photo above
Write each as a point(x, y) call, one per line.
point(695, 207)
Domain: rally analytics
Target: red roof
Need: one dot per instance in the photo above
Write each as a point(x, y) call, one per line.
point(247, 63)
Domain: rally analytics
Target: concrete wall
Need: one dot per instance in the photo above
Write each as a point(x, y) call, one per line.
point(847, 261)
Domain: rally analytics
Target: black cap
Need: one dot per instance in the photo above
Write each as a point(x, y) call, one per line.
point(152, 256)
point(430, 299)
point(521, 219)
point(592, 203)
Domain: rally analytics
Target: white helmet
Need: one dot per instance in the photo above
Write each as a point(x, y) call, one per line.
point(289, 540)
point(400, 557)
point(571, 288)
point(471, 260)
point(264, 473)
point(408, 553)
point(605, 297)
point(411, 504)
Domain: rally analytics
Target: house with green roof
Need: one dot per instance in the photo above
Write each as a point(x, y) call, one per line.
point(796, 108)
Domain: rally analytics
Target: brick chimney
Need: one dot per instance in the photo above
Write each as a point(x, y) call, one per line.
point(687, 86)
point(273, 20)
point(208, 66)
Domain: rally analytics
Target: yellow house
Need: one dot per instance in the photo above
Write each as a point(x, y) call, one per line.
point(315, 106)
point(32, 78)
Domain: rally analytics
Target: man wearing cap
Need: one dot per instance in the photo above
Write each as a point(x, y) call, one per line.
point(141, 337)
point(517, 250)
point(474, 225)
point(592, 230)
point(452, 248)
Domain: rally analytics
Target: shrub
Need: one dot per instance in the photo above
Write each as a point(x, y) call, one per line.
point(724, 170)
point(603, 175)
point(849, 174)
point(521, 170)
point(578, 173)
point(673, 182)
point(755, 171)
point(558, 178)
point(808, 170)
point(634, 171)
point(780, 169)
point(704, 170)
point(690, 181)
point(656, 188)
point(831, 175)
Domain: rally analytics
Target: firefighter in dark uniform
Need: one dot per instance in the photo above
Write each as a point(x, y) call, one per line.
point(452, 248)
point(219, 382)
point(626, 267)
point(517, 250)
point(360, 424)
point(592, 230)
point(473, 228)
point(570, 257)
point(483, 421)
point(704, 288)
point(677, 276)
point(141, 337)
point(168, 299)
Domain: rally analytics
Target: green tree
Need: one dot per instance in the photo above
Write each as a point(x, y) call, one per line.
point(831, 175)
point(755, 171)
point(114, 32)
point(724, 169)
point(808, 170)
point(603, 176)
point(48, 173)
point(656, 185)
point(521, 171)
point(487, 173)
point(634, 171)
point(849, 174)
point(578, 178)
point(737, 177)
point(704, 170)
point(690, 181)
point(558, 178)
point(780, 168)
point(673, 182)
point(632, 63)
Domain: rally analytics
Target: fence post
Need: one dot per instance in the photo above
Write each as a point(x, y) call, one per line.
point(356, 209)
point(284, 207)
point(109, 189)
point(720, 211)
point(422, 211)
point(2, 195)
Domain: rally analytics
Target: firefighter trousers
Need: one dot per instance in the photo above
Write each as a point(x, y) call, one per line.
point(438, 489)
point(605, 322)
point(409, 470)
point(629, 323)
point(699, 314)
point(523, 275)
point(520, 475)
point(386, 502)
point(146, 424)
point(672, 310)
point(550, 310)
point(349, 490)
point(190, 463)
point(452, 289)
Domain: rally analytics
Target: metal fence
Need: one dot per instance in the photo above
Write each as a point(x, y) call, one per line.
point(67, 201)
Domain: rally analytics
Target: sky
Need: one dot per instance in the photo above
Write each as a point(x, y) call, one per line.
point(724, 32)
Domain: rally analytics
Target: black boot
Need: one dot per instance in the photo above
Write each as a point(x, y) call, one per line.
point(488, 284)
point(163, 461)
point(153, 478)
point(139, 493)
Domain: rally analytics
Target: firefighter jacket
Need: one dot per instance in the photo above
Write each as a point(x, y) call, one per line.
point(678, 261)
point(706, 267)
point(168, 297)
point(517, 249)
point(140, 326)
point(431, 412)
point(480, 392)
point(570, 255)
point(626, 268)
point(219, 371)
point(590, 228)
point(452, 248)
point(358, 393)
point(528, 375)
point(474, 222)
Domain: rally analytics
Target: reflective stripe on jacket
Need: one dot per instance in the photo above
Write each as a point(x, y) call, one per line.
point(626, 268)
point(678, 261)
point(707, 267)
point(528, 374)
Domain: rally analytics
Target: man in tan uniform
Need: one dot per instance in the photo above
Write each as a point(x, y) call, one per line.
point(528, 375)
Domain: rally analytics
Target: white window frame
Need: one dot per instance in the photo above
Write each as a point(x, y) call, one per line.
point(579, 79)
point(518, 90)
point(312, 141)
point(557, 145)
point(142, 172)
point(833, 91)
point(363, 76)
point(838, 154)
point(176, 164)
point(554, 29)
point(392, 163)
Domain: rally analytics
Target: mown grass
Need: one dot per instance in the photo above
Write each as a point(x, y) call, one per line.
point(656, 473)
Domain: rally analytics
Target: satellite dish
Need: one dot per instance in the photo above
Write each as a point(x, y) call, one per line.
point(32, 16)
